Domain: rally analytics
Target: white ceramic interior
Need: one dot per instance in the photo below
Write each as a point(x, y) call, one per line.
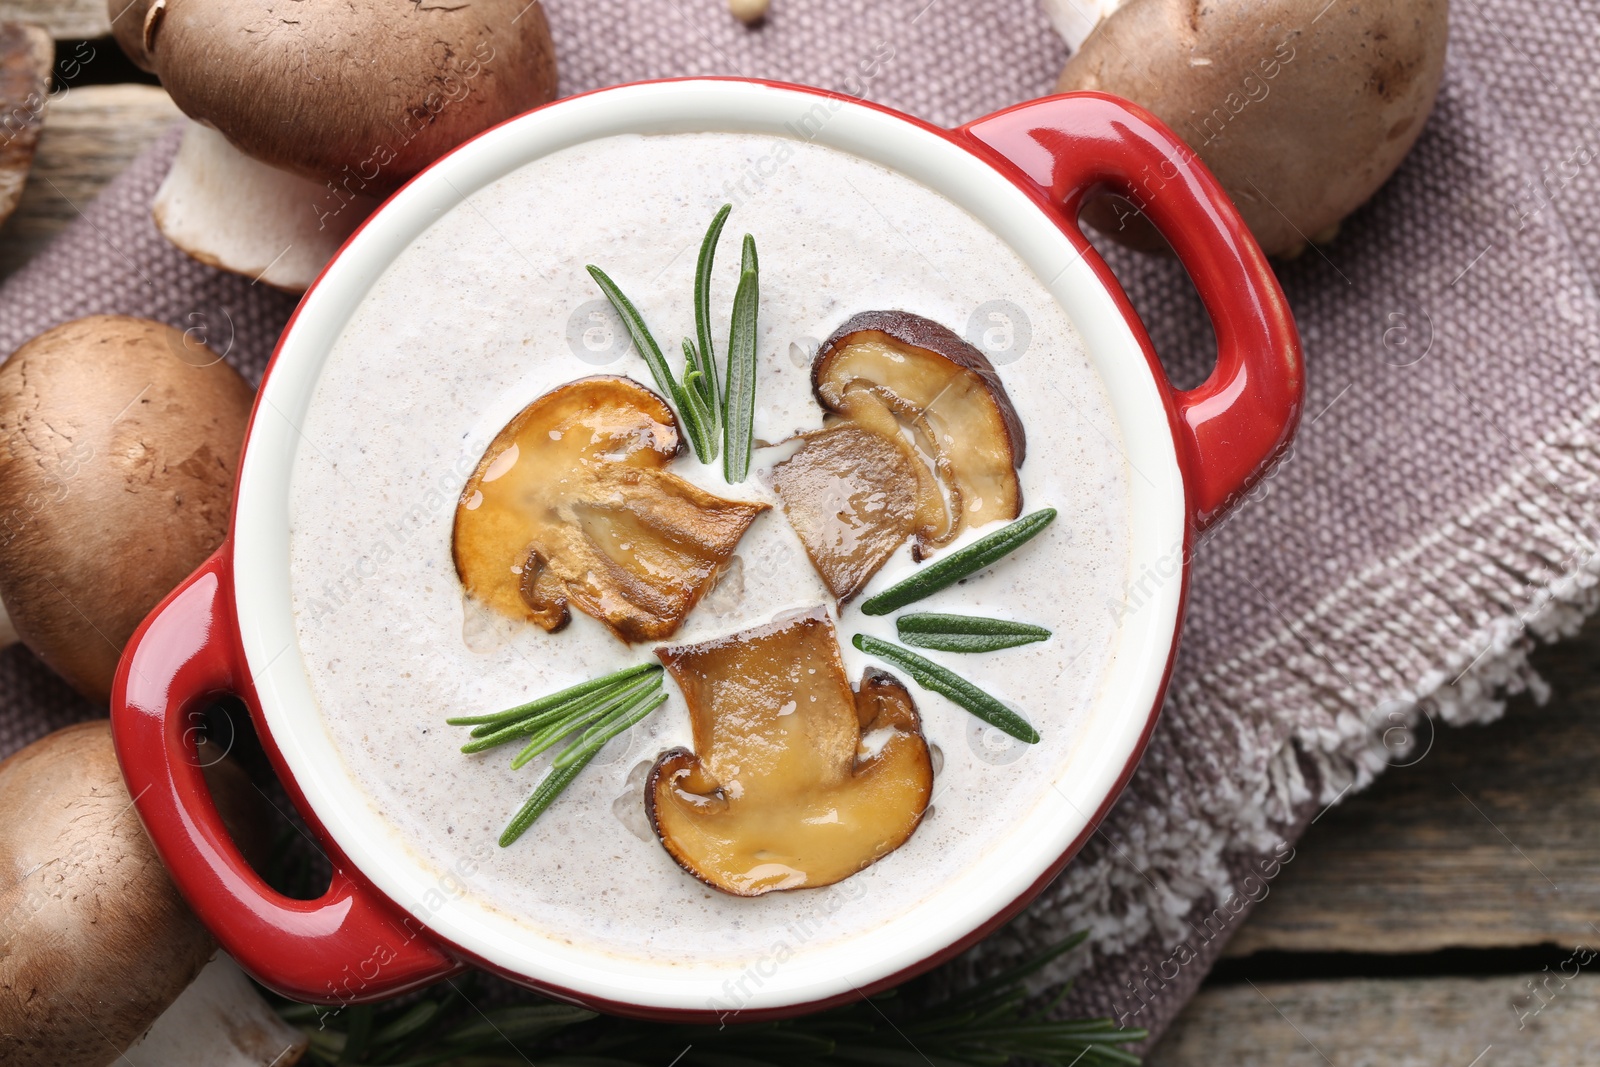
point(1109, 741)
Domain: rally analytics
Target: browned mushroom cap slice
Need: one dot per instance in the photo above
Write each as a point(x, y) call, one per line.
point(949, 394)
point(570, 505)
point(853, 504)
point(852, 497)
point(778, 793)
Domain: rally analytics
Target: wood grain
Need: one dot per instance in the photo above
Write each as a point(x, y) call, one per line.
point(1491, 840)
point(1422, 1022)
point(65, 19)
point(90, 135)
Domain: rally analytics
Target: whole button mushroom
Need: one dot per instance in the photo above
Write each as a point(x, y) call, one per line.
point(1301, 108)
point(95, 942)
point(305, 113)
point(119, 440)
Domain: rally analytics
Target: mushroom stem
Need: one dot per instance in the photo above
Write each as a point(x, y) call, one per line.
point(232, 212)
point(219, 1021)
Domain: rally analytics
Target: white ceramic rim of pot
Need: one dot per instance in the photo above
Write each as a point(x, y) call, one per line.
point(1111, 734)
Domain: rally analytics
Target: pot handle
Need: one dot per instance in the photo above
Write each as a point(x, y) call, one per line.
point(1234, 424)
point(348, 946)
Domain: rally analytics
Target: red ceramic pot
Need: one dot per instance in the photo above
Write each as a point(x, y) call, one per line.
point(1024, 173)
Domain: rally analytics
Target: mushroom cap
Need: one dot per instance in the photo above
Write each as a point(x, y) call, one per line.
point(119, 440)
point(96, 941)
point(1301, 110)
point(362, 94)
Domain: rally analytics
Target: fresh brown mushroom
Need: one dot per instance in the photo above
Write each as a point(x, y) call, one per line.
point(571, 506)
point(794, 781)
point(852, 503)
point(119, 439)
point(307, 114)
point(1302, 109)
point(26, 53)
point(97, 943)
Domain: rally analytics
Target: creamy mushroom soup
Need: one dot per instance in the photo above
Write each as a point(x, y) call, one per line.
point(491, 308)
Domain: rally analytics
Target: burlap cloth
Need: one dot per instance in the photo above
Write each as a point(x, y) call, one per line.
point(1439, 510)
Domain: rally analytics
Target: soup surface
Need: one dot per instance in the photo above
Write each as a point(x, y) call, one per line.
point(491, 308)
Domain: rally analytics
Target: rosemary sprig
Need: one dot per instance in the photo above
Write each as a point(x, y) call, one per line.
point(701, 410)
point(739, 398)
point(614, 705)
point(532, 707)
point(601, 708)
point(575, 757)
point(948, 683)
point(965, 633)
point(957, 565)
point(991, 1023)
point(688, 413)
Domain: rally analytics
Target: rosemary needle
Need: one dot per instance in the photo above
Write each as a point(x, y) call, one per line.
point(739, 398)
point(489, 736)
point(600, 708)
point(959, 564)
point(548, 790)
point(948, 683)
point(965, 633)
point(550, 701)
point(523, 727)
point(700, 408)
point(702, 310)
point(595, 738)
point(562, 775)
point(615, 704)
point(689, 414)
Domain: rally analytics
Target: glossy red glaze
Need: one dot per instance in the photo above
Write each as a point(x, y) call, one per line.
point(347, 946)
point(1234, 425)
point(353, 944)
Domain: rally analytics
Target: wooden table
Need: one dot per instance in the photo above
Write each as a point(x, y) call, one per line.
point(1414, 917)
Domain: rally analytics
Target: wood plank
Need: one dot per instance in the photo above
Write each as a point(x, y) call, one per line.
point(90, 134)
point(66, 20)
point(1491, 840)
point(1431, 1022)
